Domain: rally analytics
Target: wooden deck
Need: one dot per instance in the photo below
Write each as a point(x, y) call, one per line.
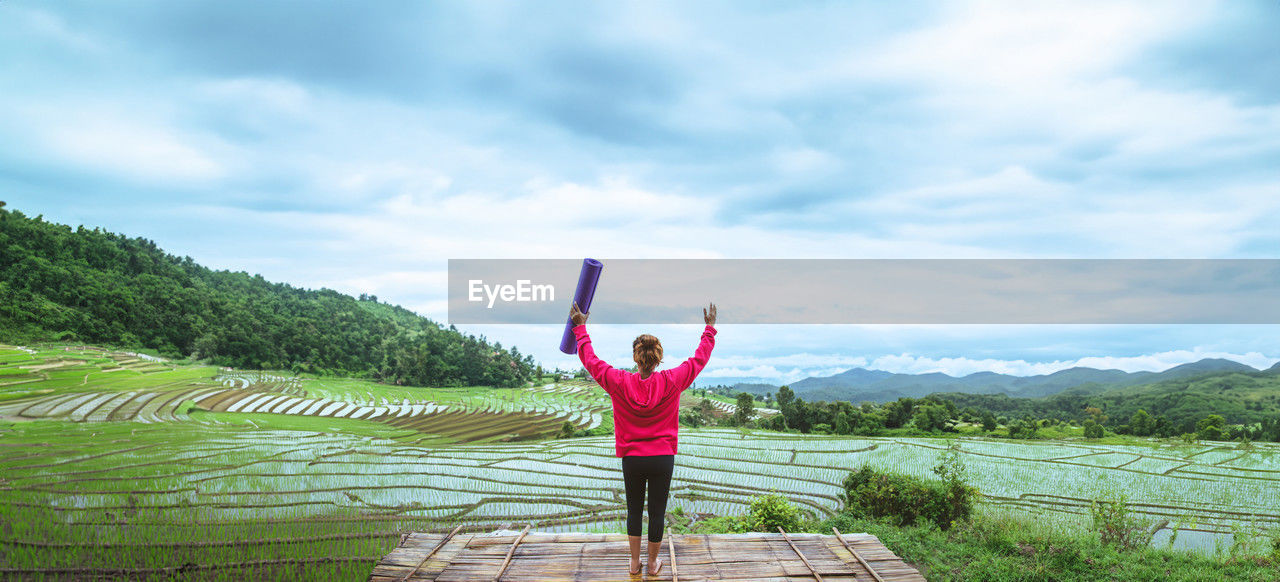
point(581, 557)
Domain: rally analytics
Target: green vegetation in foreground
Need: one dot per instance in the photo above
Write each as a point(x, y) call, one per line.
point(122, 507)
point(141, 544)
point(1020, 548)
point(996, 546)
point(60, 284)
point(1017, 548)
point(91, 482)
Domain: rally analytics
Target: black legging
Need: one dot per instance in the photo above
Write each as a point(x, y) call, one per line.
point(656, 472)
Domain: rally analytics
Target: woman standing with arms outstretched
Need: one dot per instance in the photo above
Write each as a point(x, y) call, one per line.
point(646, 423)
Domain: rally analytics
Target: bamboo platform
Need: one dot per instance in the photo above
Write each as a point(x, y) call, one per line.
point(582, 557)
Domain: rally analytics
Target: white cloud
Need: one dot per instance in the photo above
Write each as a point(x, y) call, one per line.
point(1012, 45)
point(395, 283)
point(279, 96)
point(803, 160)
point(47, 26)
point(124, 144)
point(950, 139)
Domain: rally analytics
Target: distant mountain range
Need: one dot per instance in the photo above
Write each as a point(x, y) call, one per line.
point(861, 384)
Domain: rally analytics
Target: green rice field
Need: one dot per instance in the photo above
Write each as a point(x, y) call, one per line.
point(117, 464)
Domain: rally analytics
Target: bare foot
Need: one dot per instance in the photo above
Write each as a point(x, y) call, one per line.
point(635, 567)
point(654, 571)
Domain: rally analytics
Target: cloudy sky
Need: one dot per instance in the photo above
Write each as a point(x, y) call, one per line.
point(358, 146)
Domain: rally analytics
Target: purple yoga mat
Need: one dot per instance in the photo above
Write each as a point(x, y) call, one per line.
point(587, 279)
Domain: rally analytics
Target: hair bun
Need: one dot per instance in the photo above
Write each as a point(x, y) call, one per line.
point(648, 351)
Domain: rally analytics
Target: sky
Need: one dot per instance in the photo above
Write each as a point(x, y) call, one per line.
point(359, 146)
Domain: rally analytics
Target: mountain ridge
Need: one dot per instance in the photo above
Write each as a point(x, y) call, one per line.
point(863, 384)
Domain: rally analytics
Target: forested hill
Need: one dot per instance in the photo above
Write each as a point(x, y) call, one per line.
point(861, 385)
point(1175, 404)
point(59, 283)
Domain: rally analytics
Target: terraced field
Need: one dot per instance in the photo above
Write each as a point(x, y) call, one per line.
point(79, 384)
point(213, 473)
point(732, 407)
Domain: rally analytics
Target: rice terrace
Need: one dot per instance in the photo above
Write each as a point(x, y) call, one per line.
point(123, 464)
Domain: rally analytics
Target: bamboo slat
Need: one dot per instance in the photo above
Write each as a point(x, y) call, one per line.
point(864, 563)
point(510, 553)
point(435, 549)
point(671, 548)
point(588, 557)
point(816, 575)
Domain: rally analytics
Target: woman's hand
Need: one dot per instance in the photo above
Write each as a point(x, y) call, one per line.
point(709, 316)
point(577, 316)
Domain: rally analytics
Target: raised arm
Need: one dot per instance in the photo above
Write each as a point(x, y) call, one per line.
point(604, 374)
point(684, 374)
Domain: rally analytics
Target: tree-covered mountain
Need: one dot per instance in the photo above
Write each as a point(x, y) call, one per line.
point(89, 285)
point(862, 385)
point(1239, 397)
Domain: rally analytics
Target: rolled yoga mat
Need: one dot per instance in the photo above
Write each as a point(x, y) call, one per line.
point(587, 279)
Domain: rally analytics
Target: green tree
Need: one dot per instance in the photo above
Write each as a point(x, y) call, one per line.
point(1141, 423)
point(898, 413)
point(1024, 429)
point(931, 417)
point(1211, 428)
point(745, 409)
point(785, 400)
point(843, 426)
point(705, 407)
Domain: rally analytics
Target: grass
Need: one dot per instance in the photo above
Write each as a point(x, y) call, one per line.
point(1016, 548)
point(160, 461)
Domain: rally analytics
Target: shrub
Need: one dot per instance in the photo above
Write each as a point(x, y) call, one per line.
point(693, 419)
point(906, 499)
point(677, 521)
point(721, 524)
point(769, 512)
point(1116, 525)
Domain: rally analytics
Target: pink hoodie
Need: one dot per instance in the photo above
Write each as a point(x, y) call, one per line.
point(646, 413)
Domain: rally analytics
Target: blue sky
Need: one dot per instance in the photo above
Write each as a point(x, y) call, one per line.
point(360, 146)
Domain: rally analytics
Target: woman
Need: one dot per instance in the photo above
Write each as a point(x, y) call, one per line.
point(646, 422)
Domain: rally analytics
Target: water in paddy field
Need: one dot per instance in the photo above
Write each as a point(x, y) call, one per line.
point(218, 473)
point(1202, 542)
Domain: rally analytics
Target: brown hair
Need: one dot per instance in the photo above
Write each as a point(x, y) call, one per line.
point(647, 352)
